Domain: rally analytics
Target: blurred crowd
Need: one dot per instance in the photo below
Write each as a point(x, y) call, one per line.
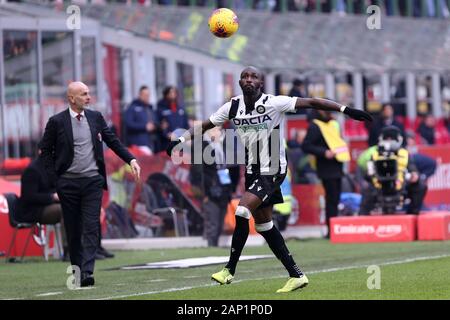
point(416, 8)
point(151, 127)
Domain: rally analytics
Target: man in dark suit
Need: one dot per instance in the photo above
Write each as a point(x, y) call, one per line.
point(73, 155)
point(329, 170)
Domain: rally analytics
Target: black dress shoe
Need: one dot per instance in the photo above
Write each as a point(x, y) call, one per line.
point(87, 280)
point(99, 256)
point(105, 252)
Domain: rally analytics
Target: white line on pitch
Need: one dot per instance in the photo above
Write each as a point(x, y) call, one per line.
point(47, 294)
point(408, 260)
point(156, 280)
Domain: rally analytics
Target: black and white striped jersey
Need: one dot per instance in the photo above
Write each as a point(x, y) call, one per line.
point(260, 130)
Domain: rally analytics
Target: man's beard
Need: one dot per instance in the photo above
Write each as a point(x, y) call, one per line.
point(249, 91)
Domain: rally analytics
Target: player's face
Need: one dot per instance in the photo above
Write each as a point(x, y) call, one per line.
point(251, 81)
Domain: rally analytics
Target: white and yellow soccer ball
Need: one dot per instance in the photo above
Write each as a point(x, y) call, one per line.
point(223, 23)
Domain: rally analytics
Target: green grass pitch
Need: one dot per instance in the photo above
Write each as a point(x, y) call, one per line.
point(414, 270)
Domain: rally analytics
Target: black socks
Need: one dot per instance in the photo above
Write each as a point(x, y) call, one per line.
point(276, 243)
point(240, 236)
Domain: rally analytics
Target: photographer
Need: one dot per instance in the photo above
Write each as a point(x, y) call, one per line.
point(382, 183)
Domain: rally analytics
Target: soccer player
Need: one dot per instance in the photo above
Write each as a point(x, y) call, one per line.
point(258, 118)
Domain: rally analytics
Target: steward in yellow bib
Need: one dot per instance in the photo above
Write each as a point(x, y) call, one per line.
point(391, 175)
point(324, 141)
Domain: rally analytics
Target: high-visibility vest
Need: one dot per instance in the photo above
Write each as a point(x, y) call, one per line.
point(332, 135)
point(285, 208)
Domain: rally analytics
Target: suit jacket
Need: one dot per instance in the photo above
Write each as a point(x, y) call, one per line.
point(58, 149)
point(314, 143)
point(36, 192)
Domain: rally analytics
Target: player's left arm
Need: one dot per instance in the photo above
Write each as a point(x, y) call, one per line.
point(329, 105)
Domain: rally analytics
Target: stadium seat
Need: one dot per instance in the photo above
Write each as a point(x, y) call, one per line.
point(43, 232)
point(13, 201)
point(441, 133)
point(178, 216)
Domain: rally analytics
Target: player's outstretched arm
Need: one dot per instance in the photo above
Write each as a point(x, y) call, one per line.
point(205, 126)
point(329, 105)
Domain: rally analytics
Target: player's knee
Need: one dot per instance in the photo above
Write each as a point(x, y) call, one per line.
point(261, 227)
point(243, 212)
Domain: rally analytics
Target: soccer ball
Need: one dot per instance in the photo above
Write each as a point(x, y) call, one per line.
point(223, 23)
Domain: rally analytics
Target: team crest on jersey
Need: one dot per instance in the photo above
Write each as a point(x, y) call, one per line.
point(260, 109)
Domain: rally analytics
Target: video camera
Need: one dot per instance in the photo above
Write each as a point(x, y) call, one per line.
point(389, 185)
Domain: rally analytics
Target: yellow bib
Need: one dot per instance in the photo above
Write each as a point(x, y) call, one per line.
point(332, 136)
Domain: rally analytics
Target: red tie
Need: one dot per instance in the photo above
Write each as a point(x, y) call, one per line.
point(79, 116)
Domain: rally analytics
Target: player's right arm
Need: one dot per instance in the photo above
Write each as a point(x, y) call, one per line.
point(217, 119)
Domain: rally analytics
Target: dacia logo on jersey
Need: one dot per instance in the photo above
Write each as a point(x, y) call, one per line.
point(255, 120)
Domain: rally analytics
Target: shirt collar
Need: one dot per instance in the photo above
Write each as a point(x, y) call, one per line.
point(73, 114)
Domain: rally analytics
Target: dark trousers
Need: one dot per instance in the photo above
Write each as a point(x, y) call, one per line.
point(416, 192)
point(332, 197)
point(214, 217)
point(81, 201)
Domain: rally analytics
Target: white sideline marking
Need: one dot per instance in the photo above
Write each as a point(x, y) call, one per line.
point(156, 280)
point(276, 277)
point(47, 294)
